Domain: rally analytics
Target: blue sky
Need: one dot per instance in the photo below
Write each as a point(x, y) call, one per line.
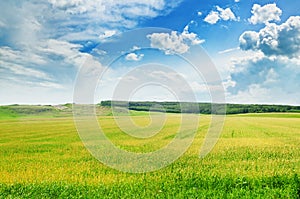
point(255, 46)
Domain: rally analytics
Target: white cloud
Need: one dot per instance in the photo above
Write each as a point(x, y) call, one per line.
point(58, 47)
point(174, 42)
point(220, 14)
point(24, 68)
point(255, 94)
point(68, 51)
point(74, 20)
point(190, 36)
point(21, 24)
point(48, 85)
point(199, 13)
point(226, 14)
point(228, 50)
point(21, 56)
point(37, 66)
point(240, 64)
point(12, 69)
point(170, 43)
point(114, 13)
point(227, 83)
point(107, 34)
point(133, 7)
point(212, 18)
point(65, 3)
point(81, 6)
point(134, 57)
point(249, 40)
point(203, 88)
point(257, 78)
point(43, 40)
point(15, 91)
point(236, 1)
point(265, 14)
point(273, 39)
point(98, 52)
point(271, 76)
point(134, 48)
point(260, 94)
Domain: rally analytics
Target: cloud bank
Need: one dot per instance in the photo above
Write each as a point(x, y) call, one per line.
point(273, 39)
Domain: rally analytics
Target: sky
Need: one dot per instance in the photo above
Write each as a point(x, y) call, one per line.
point(168, 50)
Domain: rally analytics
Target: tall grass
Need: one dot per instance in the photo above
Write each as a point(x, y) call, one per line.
point(256, 157)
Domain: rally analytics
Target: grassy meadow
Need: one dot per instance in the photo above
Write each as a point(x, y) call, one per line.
point(257, 156)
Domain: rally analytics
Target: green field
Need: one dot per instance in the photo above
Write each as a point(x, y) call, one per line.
point(42, 156)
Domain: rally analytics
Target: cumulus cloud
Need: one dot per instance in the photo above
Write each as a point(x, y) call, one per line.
point(226, 14)
point(190, 36)
point(134, 57)
point(275, 39)
point(249, 40)
point(265, 14)
point(212, 18)
point(174, 42)
point(220, 14)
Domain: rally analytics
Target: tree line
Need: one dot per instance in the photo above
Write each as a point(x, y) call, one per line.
point(204, 108)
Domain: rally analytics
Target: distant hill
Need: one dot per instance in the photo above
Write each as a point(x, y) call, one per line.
point(21, 111)
point(204, 108)
point(139, 108)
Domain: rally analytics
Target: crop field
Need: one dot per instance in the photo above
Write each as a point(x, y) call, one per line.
point(257, 156)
